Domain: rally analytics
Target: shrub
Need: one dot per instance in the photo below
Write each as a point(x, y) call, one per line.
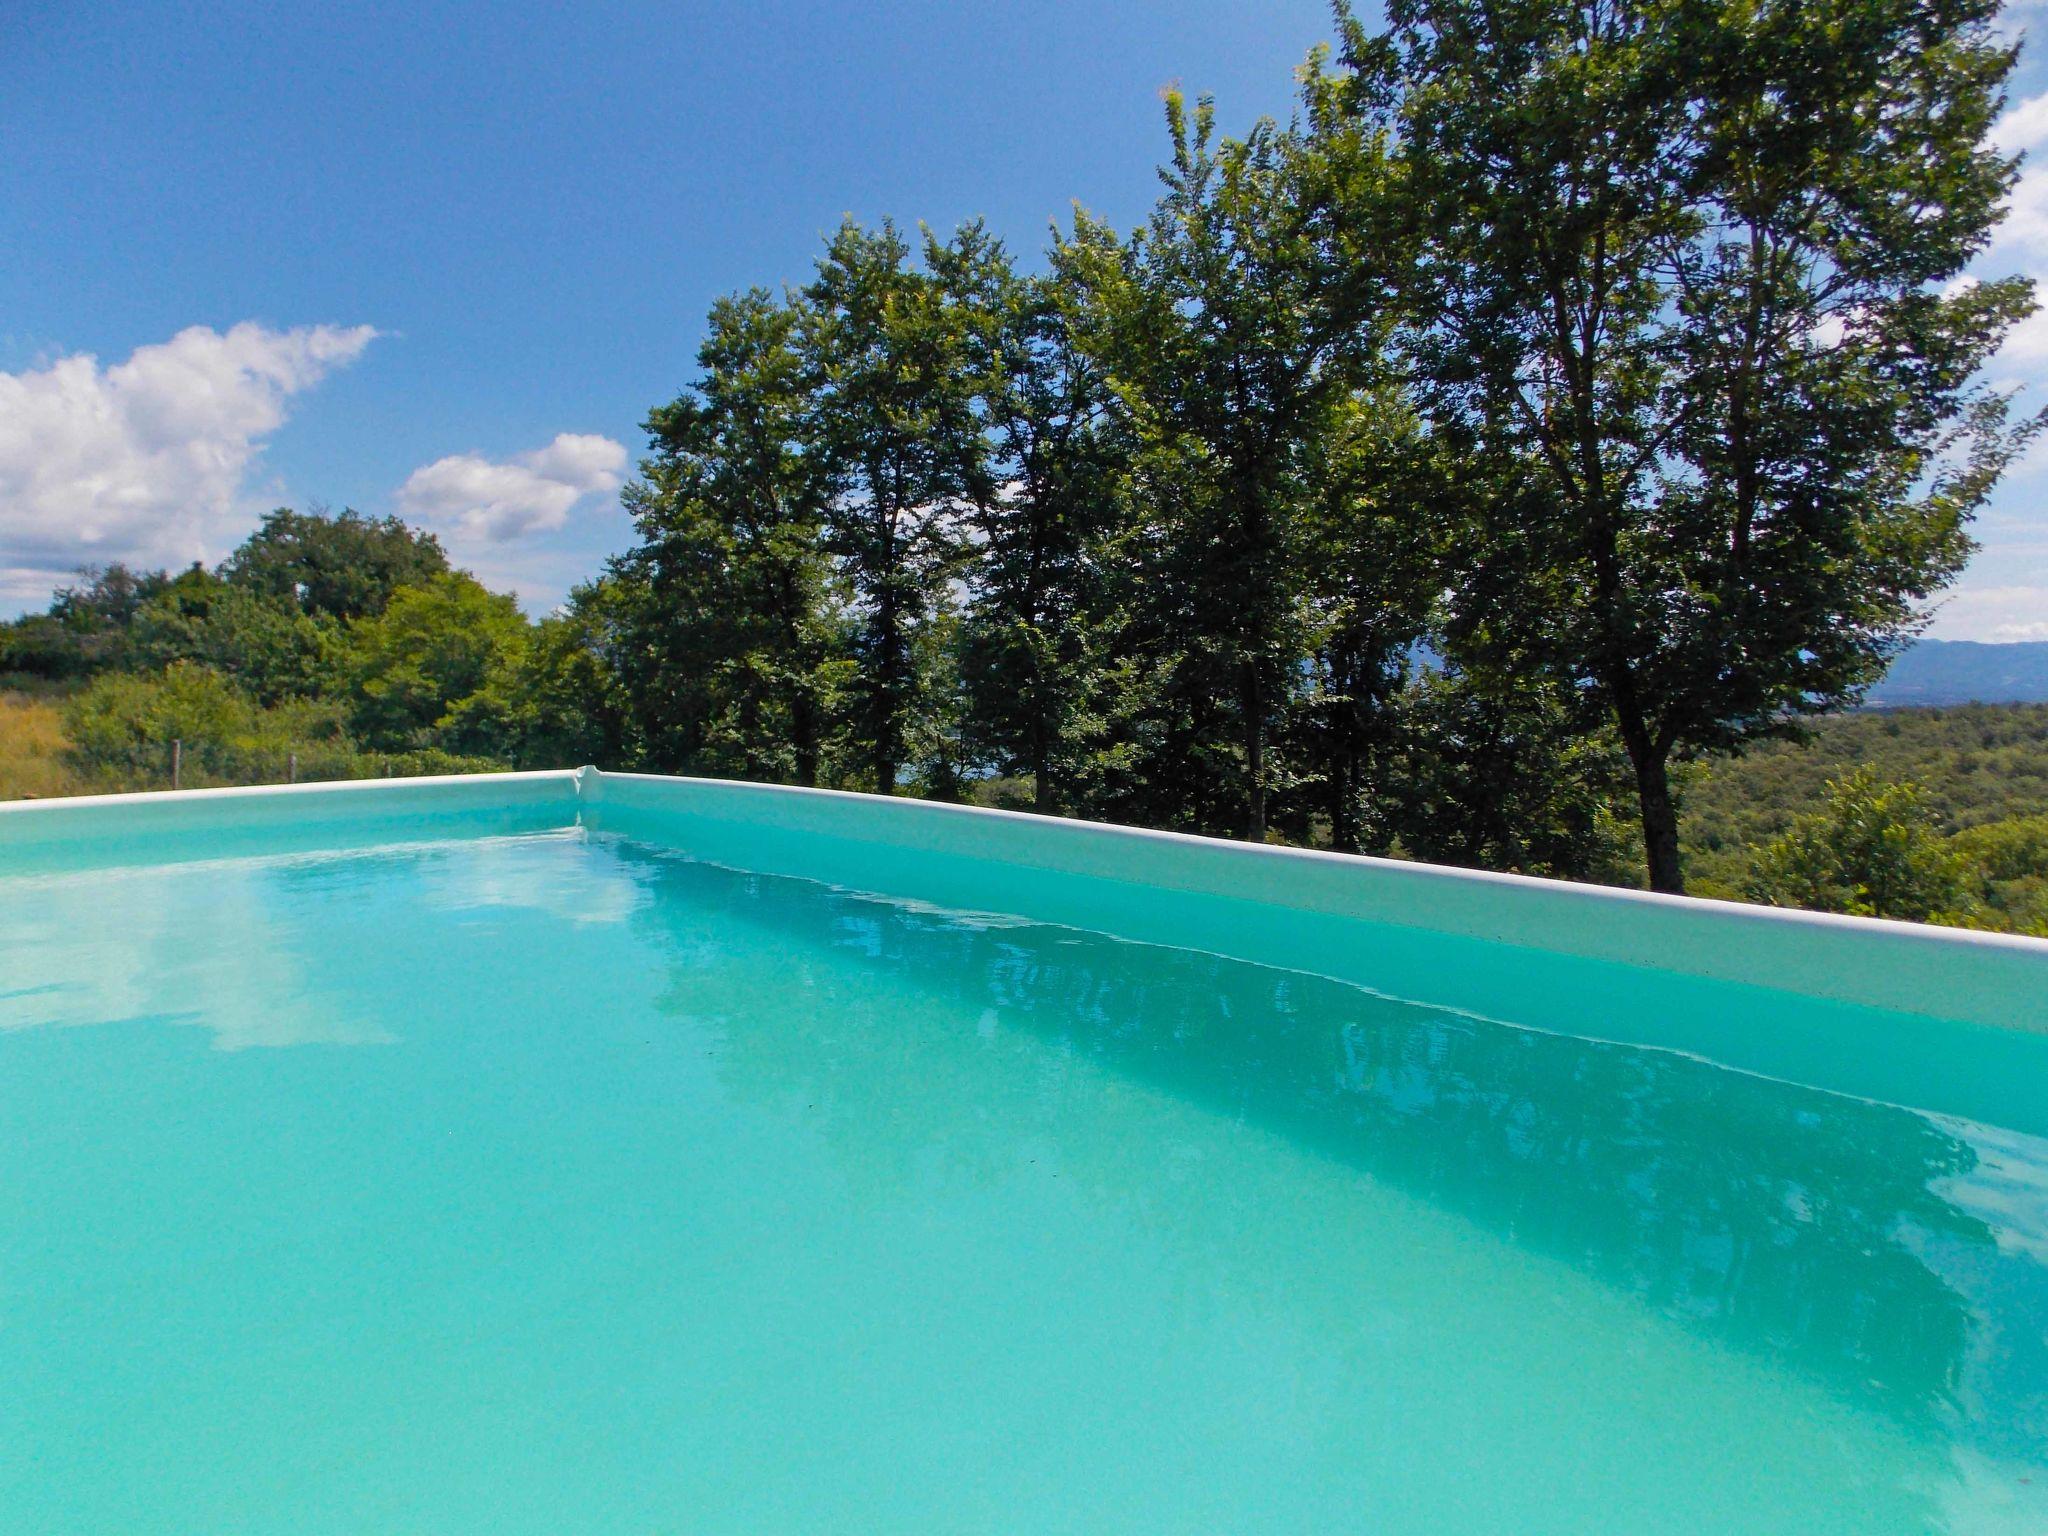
point(121, 728)
point(438, 662)
point(1874, 850)
point(2010, 858)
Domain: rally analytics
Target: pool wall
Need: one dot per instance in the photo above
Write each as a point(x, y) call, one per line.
point(1460, 930)
point(95, 831)
point(1993, 979)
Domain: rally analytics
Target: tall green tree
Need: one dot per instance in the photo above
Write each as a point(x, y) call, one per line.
point(272, 648)
point(1690, 278)
point(1374, 528)
point(567, 706)
point(1034, 639)
point(733, 645)
point(1229, 328)
point(889, 356)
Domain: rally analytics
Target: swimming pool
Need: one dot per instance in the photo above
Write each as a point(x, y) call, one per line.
point(564, 1153)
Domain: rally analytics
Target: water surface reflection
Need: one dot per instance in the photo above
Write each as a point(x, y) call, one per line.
point(1895, 1256)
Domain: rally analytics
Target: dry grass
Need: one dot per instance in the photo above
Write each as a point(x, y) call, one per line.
point(32, 747)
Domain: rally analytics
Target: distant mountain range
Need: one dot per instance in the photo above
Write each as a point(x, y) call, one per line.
point(1965, 672)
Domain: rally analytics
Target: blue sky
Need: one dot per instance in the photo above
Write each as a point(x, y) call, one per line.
point(439, 258)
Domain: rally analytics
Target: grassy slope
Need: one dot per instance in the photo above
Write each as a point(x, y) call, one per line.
point(32, 745)
point(1978, 762)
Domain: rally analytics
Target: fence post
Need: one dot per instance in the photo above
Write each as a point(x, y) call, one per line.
point(293, 770)
point(177, 759)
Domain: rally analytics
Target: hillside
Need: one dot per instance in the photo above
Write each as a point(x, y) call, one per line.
point(1979, 763)
point(32, 747)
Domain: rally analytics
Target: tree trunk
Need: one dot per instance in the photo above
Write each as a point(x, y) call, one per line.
point(1660, 821)
point(1343, 802)
point(888, 706)
point(1651, 760)
point(1041, 779)
point(753, 765)
point(1254, 755)
point(803, 731)
point(797, 657)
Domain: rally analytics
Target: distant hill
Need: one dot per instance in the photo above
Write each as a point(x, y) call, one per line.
point(1943, 672)
point(1979, 763)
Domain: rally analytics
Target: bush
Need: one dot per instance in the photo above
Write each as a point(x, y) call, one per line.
point(2010, 858)
point(438, 662)
point(1874, 850)
point(121, 728)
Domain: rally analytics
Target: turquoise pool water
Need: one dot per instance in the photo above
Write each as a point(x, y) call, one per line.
point(561, 1183)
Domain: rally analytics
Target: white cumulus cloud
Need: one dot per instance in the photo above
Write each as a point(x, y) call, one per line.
point(494, 500)
point(145, 461)
point(2000, 613)
point(2023, 129)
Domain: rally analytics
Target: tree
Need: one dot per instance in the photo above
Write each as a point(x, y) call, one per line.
point(1229, 329)
point(733, 618)
point(270, 646)
point(568, 705)
point(343, 566)
point(435, 668)
point(1374, 529)
point(1034, 636)
point(1500, 771)
point(1689, 282)
point(86, 629)
point(888, 369)
point(1873, 851)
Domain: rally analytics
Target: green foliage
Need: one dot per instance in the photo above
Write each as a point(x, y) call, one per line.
point(438, 667)
point(1687, 288)
point(269, 616)
point(316, 634)
point(889, 356)
point(273, 649)
point(87, 627)
point(1496, 774)
point(1033, 644)
point(1874, 850)
point(1975, 764)
point(1231, 331)
point(566, 707)
point(727, 623)
point(2010, 860)
point(120, 728)
point(1981, 770)
point(124, 724)
point(1371, 571)
point(343, 566)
